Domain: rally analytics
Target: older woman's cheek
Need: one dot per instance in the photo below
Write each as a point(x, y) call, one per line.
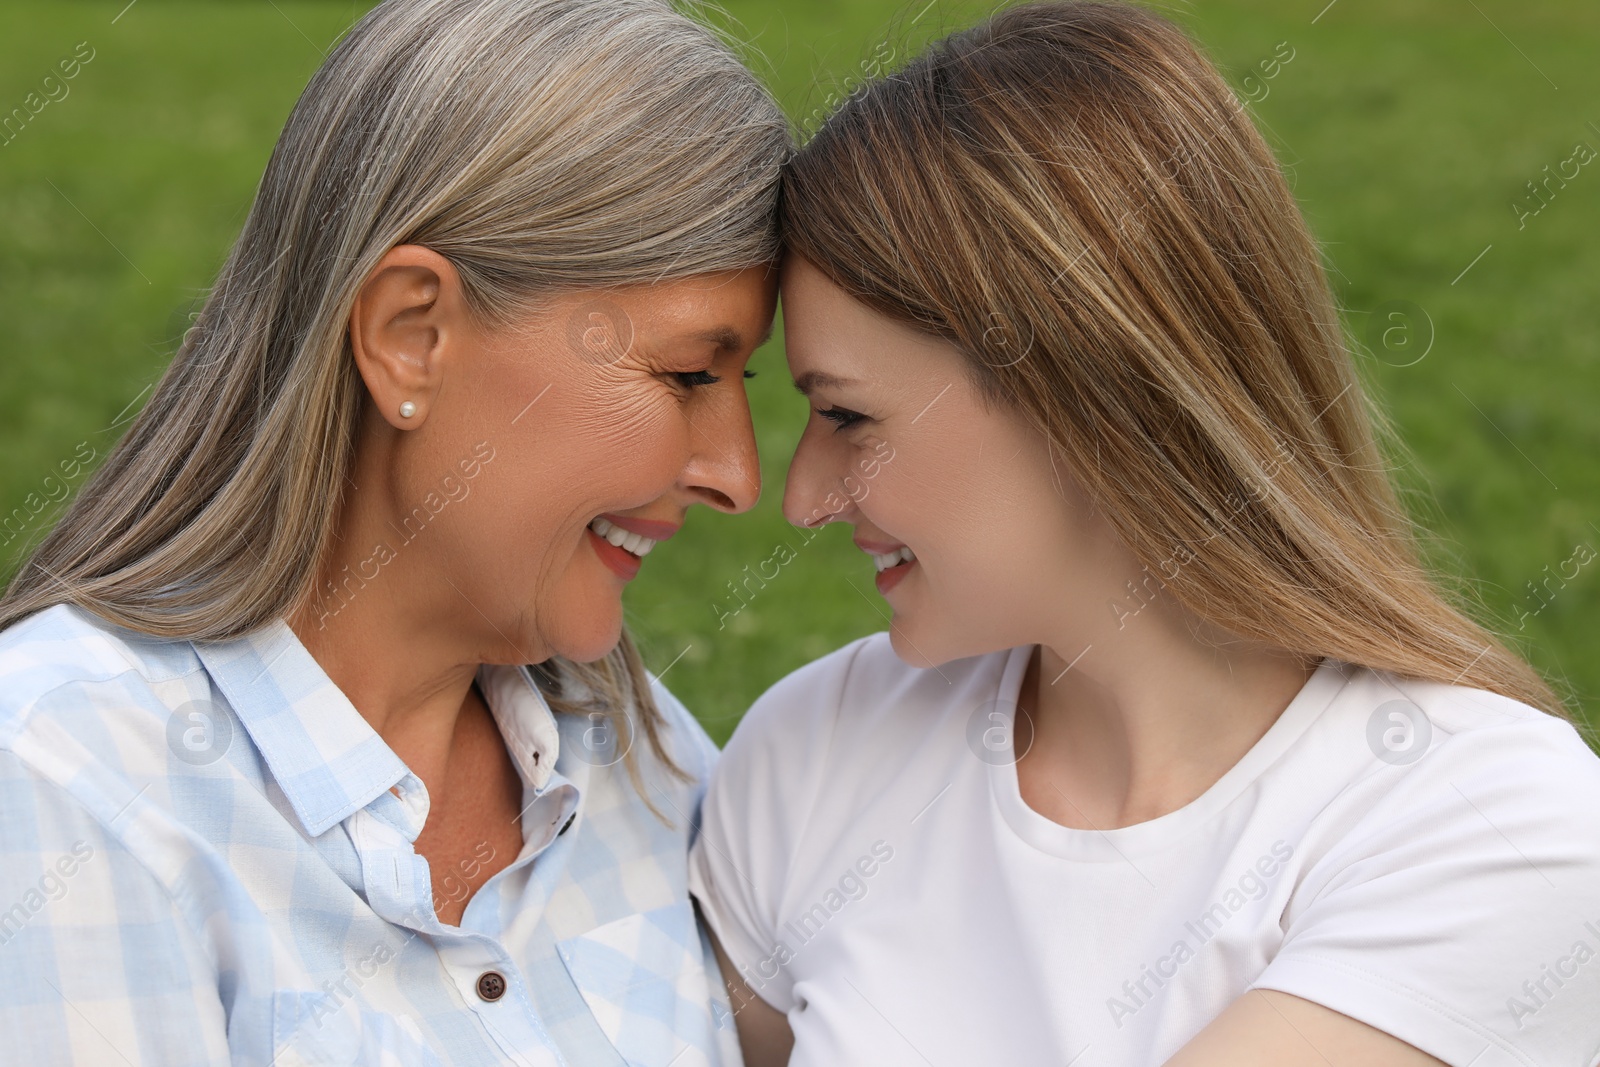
point(625, 415)
point(636, 437)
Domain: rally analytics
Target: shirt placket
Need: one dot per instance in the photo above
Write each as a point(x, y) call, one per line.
point(477, 964)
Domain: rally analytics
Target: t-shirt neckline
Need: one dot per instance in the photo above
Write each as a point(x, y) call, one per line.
point(1118, 844)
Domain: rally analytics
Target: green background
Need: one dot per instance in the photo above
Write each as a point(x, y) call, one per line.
point(1409, 129)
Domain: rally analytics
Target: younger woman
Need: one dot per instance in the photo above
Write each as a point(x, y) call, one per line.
point(1173, 752)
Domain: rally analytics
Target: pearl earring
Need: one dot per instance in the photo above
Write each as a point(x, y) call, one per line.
point(407, 410)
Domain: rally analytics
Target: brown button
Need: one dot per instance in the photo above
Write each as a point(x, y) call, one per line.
point(491, 986)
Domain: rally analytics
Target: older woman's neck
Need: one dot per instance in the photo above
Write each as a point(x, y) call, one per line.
point(401, 641)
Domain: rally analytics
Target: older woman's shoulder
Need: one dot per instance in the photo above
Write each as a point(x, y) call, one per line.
point(684, 737)
point(89, 719)
point(64, 647)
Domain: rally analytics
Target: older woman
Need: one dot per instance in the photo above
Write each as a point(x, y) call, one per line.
point(320, 737)
point(1174, 751)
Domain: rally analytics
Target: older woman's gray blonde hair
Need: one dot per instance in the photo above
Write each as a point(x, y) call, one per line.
point(539, 145)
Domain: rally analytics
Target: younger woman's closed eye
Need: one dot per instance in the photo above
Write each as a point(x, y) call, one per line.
point(843, 418)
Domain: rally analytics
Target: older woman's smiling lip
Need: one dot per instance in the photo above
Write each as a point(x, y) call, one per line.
point(622, 541)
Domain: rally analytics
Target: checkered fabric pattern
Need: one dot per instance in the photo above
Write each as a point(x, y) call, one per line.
point(206, 857)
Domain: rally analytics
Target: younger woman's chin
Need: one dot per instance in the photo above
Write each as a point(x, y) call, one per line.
point(914, 651)
point(926, 648)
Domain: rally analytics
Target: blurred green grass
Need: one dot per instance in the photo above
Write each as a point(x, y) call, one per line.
point(1409, 129)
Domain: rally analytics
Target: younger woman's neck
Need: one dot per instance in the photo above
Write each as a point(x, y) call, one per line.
point(1140, 725)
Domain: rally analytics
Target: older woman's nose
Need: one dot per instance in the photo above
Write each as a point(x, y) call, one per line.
point(724, 469)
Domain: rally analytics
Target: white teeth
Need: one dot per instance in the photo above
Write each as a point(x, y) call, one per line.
point(883, 563)
point(631, 542)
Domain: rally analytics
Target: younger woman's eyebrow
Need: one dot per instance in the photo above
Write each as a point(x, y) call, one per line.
point(816, 379)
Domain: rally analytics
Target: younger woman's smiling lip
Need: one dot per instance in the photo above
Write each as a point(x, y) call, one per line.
point(876, 548)
point(885, 580)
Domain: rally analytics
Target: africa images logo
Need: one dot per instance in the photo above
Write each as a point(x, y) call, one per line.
point(198, 733)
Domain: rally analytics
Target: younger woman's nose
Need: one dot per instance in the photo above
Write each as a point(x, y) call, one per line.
point(814, 489)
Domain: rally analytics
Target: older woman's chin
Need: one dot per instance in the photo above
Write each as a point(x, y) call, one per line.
point(585, 634)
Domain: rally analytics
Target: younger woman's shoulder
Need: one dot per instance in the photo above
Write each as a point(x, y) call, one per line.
point(1474, 719)
point(864, 688)
point(824, 680)
point(1455, 741)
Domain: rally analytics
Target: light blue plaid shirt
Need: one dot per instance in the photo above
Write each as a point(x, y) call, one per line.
point(202, 862)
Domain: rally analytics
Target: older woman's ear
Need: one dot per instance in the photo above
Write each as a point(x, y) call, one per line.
point(409, 314)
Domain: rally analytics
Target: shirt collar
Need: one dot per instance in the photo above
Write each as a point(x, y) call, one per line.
point(526, 722)
point(327, 759)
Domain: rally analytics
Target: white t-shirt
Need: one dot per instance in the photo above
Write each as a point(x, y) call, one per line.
point(1422, 857)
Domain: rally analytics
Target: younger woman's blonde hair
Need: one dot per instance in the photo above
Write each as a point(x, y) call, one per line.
point(539, 145)
point(1071, 195)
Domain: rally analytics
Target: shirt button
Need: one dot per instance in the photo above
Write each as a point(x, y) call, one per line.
point(567, 825)
point(491, 986)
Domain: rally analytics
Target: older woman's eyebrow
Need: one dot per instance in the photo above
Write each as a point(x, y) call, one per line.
point(730, 339)
point(816, 379)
